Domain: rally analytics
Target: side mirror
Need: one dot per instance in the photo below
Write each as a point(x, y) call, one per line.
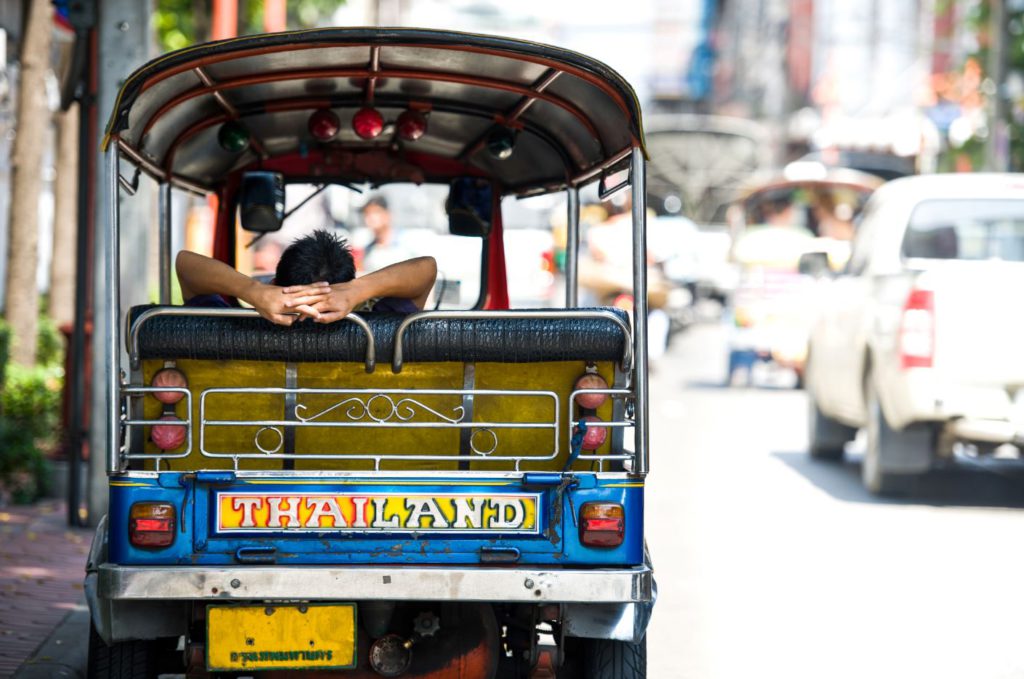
point(469, 206)
point(814, 264)
point(261, 201)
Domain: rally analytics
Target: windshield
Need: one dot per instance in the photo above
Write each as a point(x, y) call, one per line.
point(966, 229)
point(382, 226)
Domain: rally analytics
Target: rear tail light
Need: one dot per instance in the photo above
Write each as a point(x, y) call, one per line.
point(917, 330)
point(151, 524)
point(602, 524)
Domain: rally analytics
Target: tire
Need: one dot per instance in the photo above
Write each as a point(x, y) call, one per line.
point(825, 437)
point(885, 470)
point(120, 660)
point(610, 659)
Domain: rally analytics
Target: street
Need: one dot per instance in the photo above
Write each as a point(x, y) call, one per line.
point(771, 565)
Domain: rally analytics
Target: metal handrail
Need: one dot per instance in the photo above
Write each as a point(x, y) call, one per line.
point(627, 354)
point(133, 332)
point(356, 410)
point(128, 422)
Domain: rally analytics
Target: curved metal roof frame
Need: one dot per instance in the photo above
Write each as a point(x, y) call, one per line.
point(575, 117)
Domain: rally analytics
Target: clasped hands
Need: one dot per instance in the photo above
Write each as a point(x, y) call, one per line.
point(322, 302)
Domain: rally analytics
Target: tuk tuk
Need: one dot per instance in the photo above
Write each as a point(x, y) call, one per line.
point(447, 493)
point(785, 231)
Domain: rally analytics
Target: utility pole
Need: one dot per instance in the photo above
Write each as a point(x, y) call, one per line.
point(997, 144)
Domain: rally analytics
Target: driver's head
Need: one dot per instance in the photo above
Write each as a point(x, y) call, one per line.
point(320, 256)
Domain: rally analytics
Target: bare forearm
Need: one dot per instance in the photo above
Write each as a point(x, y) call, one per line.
point(411, 279)
point(201, 275)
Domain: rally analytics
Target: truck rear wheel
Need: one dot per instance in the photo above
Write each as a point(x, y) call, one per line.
point(825, 437)
point(611, 659)
point(121, 660)
point(893, 457)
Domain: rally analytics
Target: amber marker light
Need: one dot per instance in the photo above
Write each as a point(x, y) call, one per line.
point(151, 524)
point(602, 524)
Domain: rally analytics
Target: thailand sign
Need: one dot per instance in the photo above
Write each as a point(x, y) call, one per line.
point(376, 512)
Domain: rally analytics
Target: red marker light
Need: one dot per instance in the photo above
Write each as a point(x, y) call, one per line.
point(169, 377)
point(590, 381)
point(368, 123)
point(168, 436)
point(595, 435)
point(323, 124)
point(411, 125)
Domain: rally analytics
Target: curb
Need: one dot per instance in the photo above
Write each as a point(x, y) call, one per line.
point(65, 651)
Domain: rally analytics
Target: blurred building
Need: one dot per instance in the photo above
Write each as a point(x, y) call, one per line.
point(844, 79)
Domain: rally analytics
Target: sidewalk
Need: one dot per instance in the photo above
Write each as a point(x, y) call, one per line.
point(42, 564)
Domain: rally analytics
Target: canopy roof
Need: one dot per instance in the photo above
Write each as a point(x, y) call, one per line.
point(575, 116)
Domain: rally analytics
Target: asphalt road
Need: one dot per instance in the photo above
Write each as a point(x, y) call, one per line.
point(771, 565)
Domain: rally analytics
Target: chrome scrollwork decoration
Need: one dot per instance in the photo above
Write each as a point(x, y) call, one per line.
point(381, 408)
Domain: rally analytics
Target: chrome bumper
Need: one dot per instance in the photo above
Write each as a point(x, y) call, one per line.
point(402, 583)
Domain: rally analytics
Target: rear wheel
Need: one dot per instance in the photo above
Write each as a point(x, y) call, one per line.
point(826, 437)
point(888, 449)
point(611, 659)
point(121, 660)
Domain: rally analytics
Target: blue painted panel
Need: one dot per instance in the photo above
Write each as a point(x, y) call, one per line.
point(198, 543)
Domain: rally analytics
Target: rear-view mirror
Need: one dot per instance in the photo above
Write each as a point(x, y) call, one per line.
point(814, 264)
point(261, 201)
point(469, 206)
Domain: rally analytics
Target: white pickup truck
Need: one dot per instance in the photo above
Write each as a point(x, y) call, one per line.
point(919, 339)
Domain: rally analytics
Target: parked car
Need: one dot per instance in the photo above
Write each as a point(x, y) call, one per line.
point(917, 342)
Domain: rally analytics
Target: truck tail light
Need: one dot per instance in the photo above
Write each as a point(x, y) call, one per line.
point(151, 524)
point(602, 524)
point(917, 330)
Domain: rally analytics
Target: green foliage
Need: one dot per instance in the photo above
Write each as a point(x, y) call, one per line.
point(5, 348)
point(24, 471)
point(31, 399)
point(49, 343)
point(29, 417)
point(180, 23)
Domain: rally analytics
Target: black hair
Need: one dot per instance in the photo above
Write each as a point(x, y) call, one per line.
point(320, 256)
point(376, 199)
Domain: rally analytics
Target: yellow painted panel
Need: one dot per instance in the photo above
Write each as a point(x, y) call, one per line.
point(558, 377)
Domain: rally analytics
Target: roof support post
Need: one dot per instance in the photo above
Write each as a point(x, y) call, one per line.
point(637, 169)
point(109, 338)
point(572, 247)
point(165, 242)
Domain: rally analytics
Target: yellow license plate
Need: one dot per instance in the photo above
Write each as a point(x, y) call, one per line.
point(281, 637)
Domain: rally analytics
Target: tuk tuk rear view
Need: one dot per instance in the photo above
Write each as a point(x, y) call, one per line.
point(453, 492)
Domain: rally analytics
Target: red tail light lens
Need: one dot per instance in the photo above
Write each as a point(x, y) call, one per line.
point(151, 524)
point(917, 330)
point(602, 524)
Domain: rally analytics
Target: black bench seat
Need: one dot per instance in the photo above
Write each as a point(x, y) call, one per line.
point(477, 340)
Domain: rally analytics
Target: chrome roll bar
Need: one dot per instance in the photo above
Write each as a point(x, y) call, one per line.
point(396, 362)
point(133, 332)
point(640, 308)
